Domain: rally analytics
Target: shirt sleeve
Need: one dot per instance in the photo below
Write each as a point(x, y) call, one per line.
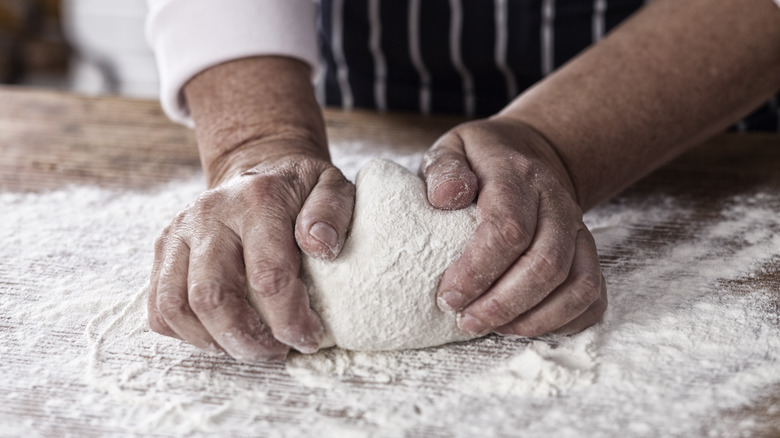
point(189, 36)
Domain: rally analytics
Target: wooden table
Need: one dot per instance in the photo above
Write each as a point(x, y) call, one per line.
point(50, 139)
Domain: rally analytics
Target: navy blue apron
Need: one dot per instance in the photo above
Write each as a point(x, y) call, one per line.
point(467, 57)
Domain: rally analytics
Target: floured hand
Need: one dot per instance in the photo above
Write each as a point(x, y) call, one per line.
point(531, 266)
point(240, 238)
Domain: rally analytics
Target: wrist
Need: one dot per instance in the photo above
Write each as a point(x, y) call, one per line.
point(252, 110)
point(546, 151)
point(254, 152)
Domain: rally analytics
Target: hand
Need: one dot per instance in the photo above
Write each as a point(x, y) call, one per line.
point(531, 266)
point(238, 241)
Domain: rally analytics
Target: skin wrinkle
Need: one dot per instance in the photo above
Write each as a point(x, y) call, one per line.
point(506, 180)
point(331, 189)
point(739, 38)
point(463, 196)
point(627, 107)
point(227, 142)
point(304, 342)
point(445, 170)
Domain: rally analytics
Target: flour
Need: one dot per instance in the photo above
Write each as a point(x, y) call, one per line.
point(544, 368)
point(690, 345)
point(380, 293)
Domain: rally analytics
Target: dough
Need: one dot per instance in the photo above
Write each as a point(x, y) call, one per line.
point(380, 293)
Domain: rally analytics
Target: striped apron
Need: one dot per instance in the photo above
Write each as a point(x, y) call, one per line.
point(468, 57)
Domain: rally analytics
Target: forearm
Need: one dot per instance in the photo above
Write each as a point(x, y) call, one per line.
point(240, 107)
point(668, 78)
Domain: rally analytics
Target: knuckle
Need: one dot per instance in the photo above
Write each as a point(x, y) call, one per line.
point(506, 185)
point(531, 327)
point(210, 201)
point(269, 281)
point(330, 194)
point(263, 184)
point(334, 178)
point(472, 281)
point(508, 234)
point(548, 267)
point(587, 289)
point(207, 297)
point(178, 220)
point(524, 170)
point(498, 311)
point(171, 305)
point(273, 190)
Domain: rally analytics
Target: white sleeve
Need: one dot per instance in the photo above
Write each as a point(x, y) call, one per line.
point(189, 36)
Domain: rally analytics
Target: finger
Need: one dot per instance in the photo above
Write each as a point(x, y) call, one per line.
point(217, 295)
point(591, 316)
point(322, 224)
point(172, 298)
point(272, 267)
point(156, 321)
point(507, 223)
point(539, 271)
point(450, 180)
point(577, 299)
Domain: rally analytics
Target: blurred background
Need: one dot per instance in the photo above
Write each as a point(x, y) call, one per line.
point(85, 46)
point(99, 47)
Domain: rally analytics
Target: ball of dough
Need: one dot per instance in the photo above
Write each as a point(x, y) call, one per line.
point(380, 292)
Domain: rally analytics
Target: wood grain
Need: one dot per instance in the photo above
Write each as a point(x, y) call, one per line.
point(50, 139)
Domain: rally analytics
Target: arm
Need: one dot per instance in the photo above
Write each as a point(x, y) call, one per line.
point(273, 189)
point(668, 78)
point(190, 36)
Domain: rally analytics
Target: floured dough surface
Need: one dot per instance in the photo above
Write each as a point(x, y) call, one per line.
point(380, 293)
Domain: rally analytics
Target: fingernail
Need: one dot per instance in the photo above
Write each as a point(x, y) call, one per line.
point(506, 333)
point(306, 343)
point(308, 348)
point(450, 301)
point(470, 324)
point(325, 234)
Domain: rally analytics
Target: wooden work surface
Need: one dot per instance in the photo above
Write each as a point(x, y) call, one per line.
point(49, 140)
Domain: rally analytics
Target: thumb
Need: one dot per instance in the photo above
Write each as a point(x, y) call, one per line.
point(321, 226)
point(451, 182)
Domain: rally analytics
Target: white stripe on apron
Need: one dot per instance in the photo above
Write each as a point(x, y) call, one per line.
point(342, 72)
point(456, 26)
point(548, 36)
point(380, 65)
point(599, 9)
point(502, 37)
point(415, 53)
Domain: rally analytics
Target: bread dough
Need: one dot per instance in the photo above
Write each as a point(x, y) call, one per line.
point(380, 292)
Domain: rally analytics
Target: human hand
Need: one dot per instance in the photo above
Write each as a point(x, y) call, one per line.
point(531, 266)
point(239, 242)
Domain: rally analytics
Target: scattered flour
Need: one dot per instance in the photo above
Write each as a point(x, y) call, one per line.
point(544, 368)
point(689, 347)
